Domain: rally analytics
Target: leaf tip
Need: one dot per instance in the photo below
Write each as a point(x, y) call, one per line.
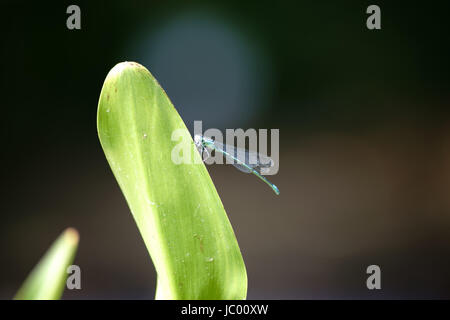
point(71, 235)
point(126, 65)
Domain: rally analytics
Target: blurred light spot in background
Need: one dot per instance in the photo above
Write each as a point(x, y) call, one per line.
point(210, 70)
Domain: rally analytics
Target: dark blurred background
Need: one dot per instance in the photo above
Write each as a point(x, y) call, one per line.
point(364, 139)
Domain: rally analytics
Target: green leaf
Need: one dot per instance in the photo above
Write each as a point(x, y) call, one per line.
point(48, 278)
point(176, 206)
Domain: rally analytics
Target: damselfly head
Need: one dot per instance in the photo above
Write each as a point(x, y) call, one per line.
point(198, 140)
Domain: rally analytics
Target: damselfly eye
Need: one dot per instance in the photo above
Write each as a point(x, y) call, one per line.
point(197, 139)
